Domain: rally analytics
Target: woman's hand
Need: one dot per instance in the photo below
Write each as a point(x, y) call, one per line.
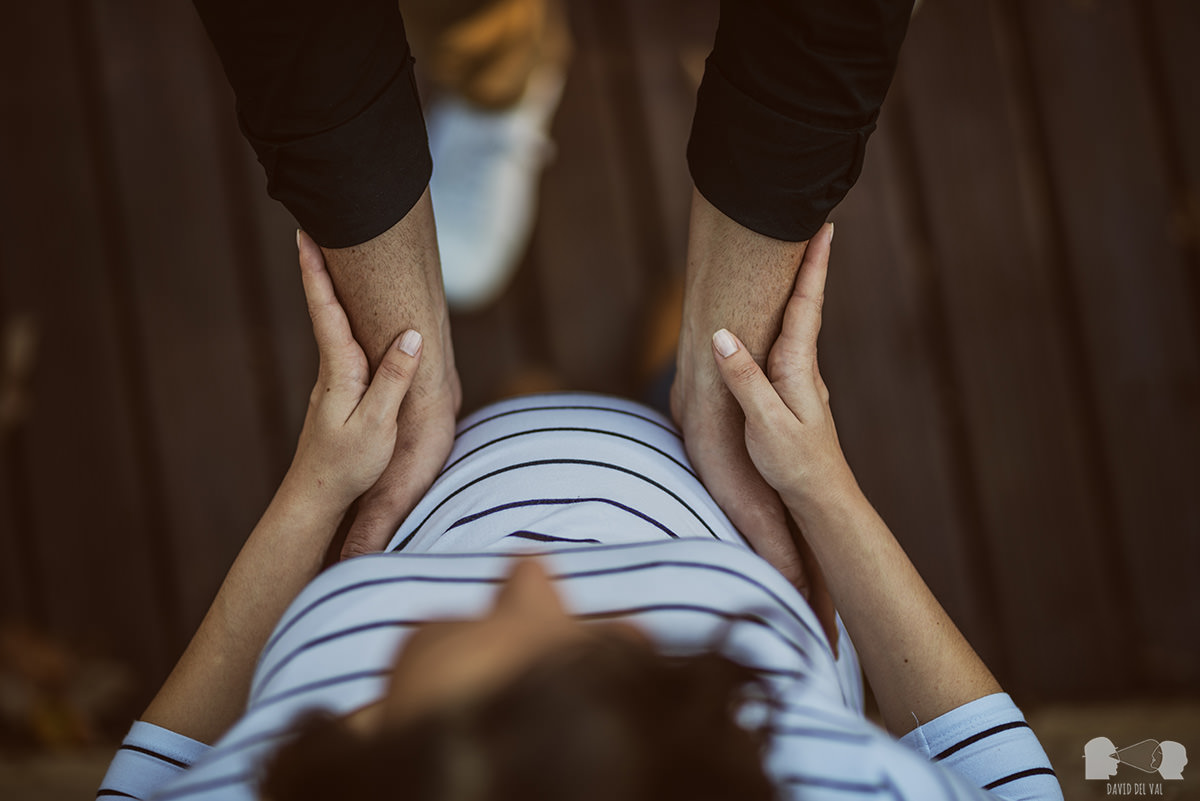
point(349, 432)
point(917, 661)
point(789, 427)
point(348, 437)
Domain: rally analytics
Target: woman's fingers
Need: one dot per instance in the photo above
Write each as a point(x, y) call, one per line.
point(802, 317)
point(331, 328)
point(393, 378)
point(747, 382)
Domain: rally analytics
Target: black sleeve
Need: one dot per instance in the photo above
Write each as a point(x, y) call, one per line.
point(326, 96)
point(790, 94)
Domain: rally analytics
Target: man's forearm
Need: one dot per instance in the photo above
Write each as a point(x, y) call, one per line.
point(734, 277)
point(740, 280)
point(389, 284)
point(392, 283)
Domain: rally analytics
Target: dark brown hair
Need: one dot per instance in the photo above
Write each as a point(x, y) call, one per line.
point(603, 720)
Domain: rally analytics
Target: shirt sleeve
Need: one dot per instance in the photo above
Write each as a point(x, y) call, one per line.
point(790, 94)
point(988, 743)
point(327, 97)
point(149, 757)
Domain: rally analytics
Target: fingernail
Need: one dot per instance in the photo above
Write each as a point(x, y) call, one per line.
point(830, 232)
point(410, 343)
point(726, 344)
point(297, 239)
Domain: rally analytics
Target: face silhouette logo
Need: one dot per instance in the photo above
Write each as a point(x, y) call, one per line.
point(1101, 758)
point(1170, 758)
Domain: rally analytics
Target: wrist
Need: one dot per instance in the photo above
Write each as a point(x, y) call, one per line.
point(305, 495)
point(815, 505)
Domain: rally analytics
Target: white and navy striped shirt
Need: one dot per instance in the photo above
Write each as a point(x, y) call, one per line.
point(601, 487)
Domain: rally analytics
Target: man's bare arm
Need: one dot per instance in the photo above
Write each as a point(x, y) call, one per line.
point(790, 95)
point(387, 285)
point(740, 280)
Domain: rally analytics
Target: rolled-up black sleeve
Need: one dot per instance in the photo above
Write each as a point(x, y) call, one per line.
point(790, 95)
point(327, 97)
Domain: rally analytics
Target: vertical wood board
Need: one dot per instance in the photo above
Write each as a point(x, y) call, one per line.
point(1174, 30)
point(91, 535)
point(1010, 357)
point(198, 367)
point(15, 594)
point(879, 360)
point(1109, 171)
point(665, 102)
point(586, 249)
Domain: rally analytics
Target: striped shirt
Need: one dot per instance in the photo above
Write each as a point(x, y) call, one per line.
point(603, 489)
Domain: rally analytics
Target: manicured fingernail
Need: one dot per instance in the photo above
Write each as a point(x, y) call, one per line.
point(410, 343)
point(726, 344)
point(297, 239)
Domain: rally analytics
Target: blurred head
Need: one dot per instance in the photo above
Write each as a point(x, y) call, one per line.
point(527, 703)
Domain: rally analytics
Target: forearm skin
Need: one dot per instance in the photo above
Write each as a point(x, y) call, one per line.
point(208, 688)
point(919, 664)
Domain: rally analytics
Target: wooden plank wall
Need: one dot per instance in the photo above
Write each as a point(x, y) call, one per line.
point(1011, 340)
point(79, 481)
point(153, 439)
point(1008, 348)
point(1135, 315)
point(1072, 328)
point(883, 328)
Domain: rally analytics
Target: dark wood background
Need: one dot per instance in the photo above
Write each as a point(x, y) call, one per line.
point(1012, 336)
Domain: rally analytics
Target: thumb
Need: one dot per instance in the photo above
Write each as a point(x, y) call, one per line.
point(393, 378)
point(745, 379)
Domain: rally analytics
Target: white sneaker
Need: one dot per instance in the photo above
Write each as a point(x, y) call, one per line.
point(486, 167)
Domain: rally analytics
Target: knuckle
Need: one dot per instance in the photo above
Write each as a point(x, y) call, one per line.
point(318, 309)
point(805, 356)
point(791, 565)
point(815, 300)
point(744, 372)
point(793, 356)
point(362, 539)
point(356, 546)
point(392, 370)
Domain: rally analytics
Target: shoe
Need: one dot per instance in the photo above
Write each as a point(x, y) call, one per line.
point(486, 169)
